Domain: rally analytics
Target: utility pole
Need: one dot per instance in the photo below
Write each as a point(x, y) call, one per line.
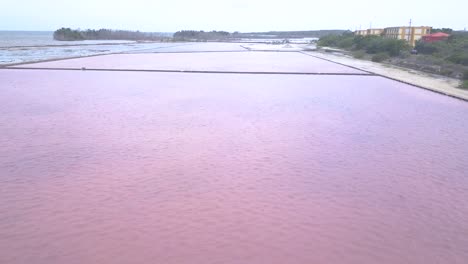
point(409, 31)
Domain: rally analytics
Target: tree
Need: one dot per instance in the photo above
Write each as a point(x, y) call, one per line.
point(444, 30)
point(103, 34)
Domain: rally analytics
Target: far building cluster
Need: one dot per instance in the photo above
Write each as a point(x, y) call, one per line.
point(409, 34)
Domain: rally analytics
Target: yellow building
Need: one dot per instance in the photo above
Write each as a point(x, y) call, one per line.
point(368, 32)
point(360, 32)
point(410, 34)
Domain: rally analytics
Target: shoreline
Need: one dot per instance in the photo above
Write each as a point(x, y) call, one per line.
point(68, 45)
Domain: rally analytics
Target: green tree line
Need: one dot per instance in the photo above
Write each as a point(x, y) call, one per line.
point(68, 34)
point(453, 50)
point(368, 44)
point(291, 34)
point(186, 35)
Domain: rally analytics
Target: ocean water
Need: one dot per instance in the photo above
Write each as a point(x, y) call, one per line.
point(30, 46)
point(26, 38)
point(43, 38)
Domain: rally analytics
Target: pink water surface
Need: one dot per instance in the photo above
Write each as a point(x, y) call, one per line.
point(247, 61)
point(132, 167)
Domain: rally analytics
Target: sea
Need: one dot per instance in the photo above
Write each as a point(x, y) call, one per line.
point(30, 46)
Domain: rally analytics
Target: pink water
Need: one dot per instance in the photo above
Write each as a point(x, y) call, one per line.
point(212, 61)
point(105, 167)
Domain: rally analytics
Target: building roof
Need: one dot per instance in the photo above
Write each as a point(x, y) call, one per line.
point(438, 34)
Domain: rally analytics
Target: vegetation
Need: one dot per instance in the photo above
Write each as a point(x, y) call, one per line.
point(443, 30)
point(459, 58)
point(460, 33)
point(377, 44)
point(465, 75)
point(359, 54)
point(67, 34)
point(188, 35)
point(454, 50)
point(448, 57)
point(379, 57)
point(367, 44)
point(290, 34)
point(344, 40)
point(464, 84)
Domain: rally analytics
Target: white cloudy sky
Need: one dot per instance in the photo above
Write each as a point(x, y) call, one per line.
point(230, 15)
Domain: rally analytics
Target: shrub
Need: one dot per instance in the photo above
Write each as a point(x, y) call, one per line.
point(362, 42)
point(371, 44)
point(459, 58)
point(446, 72)
point(404, 54)
point(463, 59)
point(464, 84)
point(68, 34)
point(346, 43)
point(379, 57)
point(392, 47)
point(329, 41)
point(359, 54)
point(426, 48)
point(465, 76)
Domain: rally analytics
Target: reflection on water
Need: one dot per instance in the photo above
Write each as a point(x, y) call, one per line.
point(100, 167)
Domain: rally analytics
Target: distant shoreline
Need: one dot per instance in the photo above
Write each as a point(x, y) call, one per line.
point(64, 45)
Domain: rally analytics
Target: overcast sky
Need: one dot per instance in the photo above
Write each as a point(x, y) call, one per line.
point(231, 15)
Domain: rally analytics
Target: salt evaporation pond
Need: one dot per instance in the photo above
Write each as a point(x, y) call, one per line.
point(151, 167)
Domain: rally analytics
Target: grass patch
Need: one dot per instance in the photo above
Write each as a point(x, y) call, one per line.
point(359, 54)
point(379, 57)
point(464, 84)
